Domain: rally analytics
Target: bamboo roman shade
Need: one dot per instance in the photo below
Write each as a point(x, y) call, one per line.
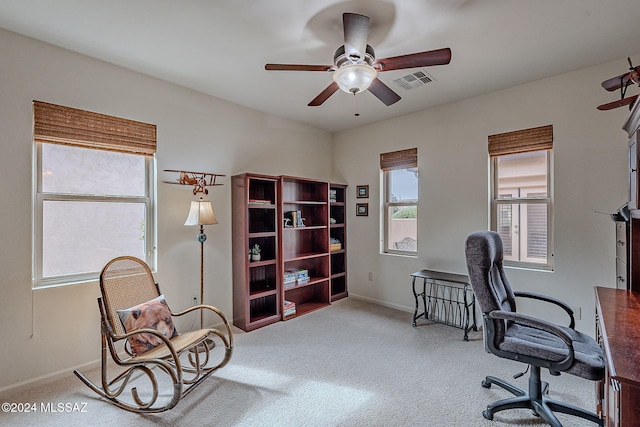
point(521, 141)
point(64, 125)
point(402, 159)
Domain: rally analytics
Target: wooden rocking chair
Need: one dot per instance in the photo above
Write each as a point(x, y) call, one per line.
point(183, 359)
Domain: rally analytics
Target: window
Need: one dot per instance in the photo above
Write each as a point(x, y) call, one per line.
point(400, 195)
point(94, 193)
point(521, 198)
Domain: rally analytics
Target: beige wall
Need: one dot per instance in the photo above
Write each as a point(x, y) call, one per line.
point(590, 158)
point(49, 331)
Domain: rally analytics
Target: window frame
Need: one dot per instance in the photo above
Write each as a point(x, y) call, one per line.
point(57, 124)
point(386, 206)
point(392, 161)
point(40, 197)
point(547, 200)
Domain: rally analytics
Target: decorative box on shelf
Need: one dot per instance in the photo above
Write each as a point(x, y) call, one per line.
point(335, 245)
point(302, 277)
point(295, 277)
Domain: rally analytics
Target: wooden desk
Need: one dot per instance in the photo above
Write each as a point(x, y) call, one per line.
point(618, 332)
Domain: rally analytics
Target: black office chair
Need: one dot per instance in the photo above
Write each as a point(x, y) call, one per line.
point(526, 339)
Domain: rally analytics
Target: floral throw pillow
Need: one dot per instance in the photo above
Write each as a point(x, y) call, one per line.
point(154, 314)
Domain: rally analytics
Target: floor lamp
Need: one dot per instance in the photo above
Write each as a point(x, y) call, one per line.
point(201, 213)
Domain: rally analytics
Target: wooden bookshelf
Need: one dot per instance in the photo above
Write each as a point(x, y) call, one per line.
point(338, 233)
point(256, 284)
point(304, 243)
point(289, 218)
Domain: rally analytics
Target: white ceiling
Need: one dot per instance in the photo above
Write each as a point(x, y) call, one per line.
point(219, 47)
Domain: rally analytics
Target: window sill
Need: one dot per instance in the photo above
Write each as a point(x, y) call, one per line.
point(401, 254)
point(529, 267)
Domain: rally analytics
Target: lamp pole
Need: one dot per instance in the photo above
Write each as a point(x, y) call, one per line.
point(201, 213)
point(202, 238)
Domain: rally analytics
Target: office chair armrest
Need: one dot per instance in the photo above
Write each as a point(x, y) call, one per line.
point(551, 300)
point(533, 322)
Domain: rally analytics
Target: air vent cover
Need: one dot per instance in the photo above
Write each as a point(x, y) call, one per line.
point(414, 80)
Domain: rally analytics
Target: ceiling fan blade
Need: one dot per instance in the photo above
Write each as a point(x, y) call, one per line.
point(383, 92)
point(356, 32)
point(618, 103)
point(414, 60)
point(298, 67)
point(324, 95)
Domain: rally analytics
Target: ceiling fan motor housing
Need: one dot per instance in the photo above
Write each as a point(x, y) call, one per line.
point(340, 58)
point(354, 73)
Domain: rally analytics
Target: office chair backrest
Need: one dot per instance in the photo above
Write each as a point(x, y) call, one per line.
point(484, 254)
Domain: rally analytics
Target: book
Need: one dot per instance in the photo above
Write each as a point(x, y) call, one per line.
point(289, 308)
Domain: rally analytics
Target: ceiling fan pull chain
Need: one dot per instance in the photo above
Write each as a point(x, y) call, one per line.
point(356, 99)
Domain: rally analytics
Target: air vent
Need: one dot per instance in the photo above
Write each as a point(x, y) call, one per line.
point(414, 80)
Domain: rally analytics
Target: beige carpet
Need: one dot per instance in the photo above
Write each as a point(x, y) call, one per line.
point(351, 364)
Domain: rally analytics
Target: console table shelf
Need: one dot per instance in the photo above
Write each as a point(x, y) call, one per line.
point(447, 299)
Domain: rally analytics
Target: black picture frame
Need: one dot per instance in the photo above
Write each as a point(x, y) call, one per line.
point(362, 209)
point(362, 191)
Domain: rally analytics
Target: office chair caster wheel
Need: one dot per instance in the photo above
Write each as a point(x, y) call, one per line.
point(486, 384)
point(488, 415)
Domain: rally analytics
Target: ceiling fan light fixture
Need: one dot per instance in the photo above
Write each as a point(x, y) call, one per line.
point(354, 78)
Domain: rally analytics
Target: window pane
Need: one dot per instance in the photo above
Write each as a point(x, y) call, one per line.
point(403, 228)
point(505, 229)
point(536, 232)
point(81, 237)
point(403, 184)
point(522, 174)
point(523, 229)
point(74, 170)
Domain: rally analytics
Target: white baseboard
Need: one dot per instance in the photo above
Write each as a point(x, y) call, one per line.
point(64, 373)
point(48, 378)
point(382, 303)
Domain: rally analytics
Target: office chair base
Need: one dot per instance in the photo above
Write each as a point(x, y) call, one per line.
point(535, 400)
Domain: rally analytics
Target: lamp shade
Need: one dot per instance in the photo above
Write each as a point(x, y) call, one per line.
point(201, 213)
point(354, 78)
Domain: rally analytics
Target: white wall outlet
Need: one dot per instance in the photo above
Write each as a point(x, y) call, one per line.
point(370, 276)
point(577, 312)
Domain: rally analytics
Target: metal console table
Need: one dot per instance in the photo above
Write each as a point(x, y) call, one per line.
point(448, 299)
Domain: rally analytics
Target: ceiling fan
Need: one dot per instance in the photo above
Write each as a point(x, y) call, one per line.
point(356, 68)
